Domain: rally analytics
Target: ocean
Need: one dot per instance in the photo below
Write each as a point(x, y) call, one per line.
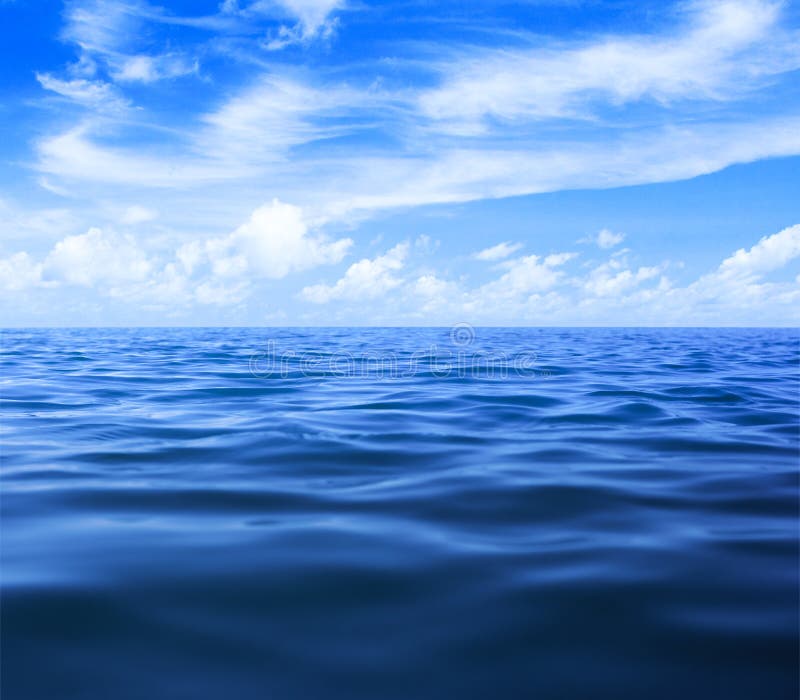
point(400, 513)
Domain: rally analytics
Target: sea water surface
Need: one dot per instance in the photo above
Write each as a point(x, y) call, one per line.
point(399, 513)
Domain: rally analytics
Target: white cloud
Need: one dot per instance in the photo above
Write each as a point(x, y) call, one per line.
point(665, 154)
point(19, 272)
point(523, 277)
point(426, 245)
point(96, 256)
point(144, 68)
point(737, 286)
point(75, 156)
point(225, 272)
point(276, 241)
point(45, 184)
point(137, 214)
point(539, 289)
point(266, 118)
point(247, 136)
point(770, 253)
point(17, 224)
point(719, 52)
point(365, 279)
point(436, 294)
point(312, 17)
point(102, 26)
point(556, 259)
point(497, 252)
point(221, 295)
point(257, 132)
point(432, 287)
point(613, 278)
point(632, 120)
point(112, 34)
point(605, 239)
point(312, 14)
point(101, 96)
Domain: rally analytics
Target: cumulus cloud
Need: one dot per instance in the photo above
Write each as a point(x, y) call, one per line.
point(497, 252)
point(770, 253)
point(18, 272)
point(605, 239)
point(96, 256)
point(739, 279)
point(275, 241)
point(526, 275)
point(613, 278)
point(432, 287)
point(225, 272)
point(434, 295)
point(363, 280)
point(545, 289)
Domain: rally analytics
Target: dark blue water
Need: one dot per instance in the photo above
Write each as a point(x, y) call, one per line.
point(400, 513)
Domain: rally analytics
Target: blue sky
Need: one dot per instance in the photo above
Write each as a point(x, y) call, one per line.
point(347, 162)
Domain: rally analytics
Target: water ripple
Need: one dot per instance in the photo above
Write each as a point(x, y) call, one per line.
point(377, 513)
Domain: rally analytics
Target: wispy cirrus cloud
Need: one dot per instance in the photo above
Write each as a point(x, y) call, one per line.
point(497, 252)
point(723, 49)
point(102, 97)
point(399, 149)
point(313, 20)
point(143, 68)
point(112, 34)
point(268, 117)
